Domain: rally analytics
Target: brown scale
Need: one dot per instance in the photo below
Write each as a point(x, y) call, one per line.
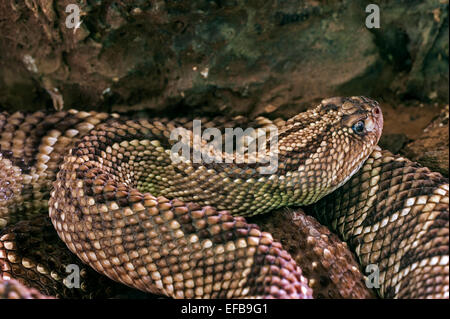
point(13, 289)
point(110, 195)
point(141, 240)
point(238, 190)
point(32, 253)
point(400, 223)
point(330, 267)
point(219, 241)
point(168, 246)
point(33, 145)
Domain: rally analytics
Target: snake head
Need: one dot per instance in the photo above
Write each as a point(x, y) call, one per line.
point(357, 130)
point(329, 143)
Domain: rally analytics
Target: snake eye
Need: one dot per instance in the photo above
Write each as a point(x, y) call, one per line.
point(358, 127)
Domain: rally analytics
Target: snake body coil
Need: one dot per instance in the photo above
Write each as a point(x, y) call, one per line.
point(122, 205)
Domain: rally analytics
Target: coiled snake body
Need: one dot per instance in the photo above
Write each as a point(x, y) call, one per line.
point(122, 205)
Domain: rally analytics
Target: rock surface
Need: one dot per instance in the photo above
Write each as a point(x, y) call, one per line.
point(431, 149)
point(218, 56)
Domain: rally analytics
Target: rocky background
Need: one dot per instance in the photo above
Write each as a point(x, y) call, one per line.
point(270, 57)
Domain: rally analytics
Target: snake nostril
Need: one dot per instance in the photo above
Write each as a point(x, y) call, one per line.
point(376, 111)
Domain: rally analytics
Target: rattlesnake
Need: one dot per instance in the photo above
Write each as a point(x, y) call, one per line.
point(120, 203)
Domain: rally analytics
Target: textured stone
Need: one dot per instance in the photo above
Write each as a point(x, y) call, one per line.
point(218, 56)
point(431, 149)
